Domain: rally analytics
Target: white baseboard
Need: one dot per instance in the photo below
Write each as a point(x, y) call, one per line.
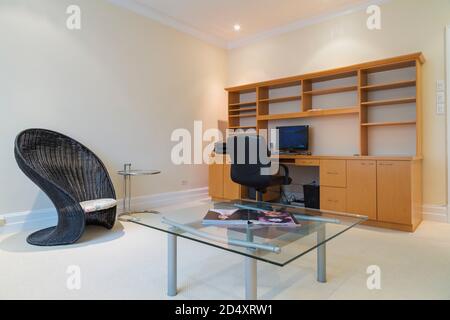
point(435, 213)
point(36, 219)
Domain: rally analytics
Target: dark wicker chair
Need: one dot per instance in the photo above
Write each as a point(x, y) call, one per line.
point(69, 173)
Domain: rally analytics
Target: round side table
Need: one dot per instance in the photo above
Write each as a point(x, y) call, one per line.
point(127, 173)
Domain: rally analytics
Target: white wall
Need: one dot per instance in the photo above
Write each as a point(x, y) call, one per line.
point(407, 26)
point(120, 86)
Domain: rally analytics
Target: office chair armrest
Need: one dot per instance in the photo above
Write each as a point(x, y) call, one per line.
point(286, 173)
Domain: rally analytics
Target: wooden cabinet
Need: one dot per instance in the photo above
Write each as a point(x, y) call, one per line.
point(333, 173)
point(362, 188)
point(387, 190)
point(220, 184)
point(215, 180)
point(394, 192)
point(333, 199)
point(231, 190)
point(307, 163)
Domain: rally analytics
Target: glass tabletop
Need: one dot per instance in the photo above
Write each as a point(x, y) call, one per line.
point(274, 244)
point(138, 172)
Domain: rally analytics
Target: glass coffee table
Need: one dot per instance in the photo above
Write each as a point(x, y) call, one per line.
point(271, 244)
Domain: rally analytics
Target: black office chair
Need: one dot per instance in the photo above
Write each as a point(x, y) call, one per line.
point(251, 164)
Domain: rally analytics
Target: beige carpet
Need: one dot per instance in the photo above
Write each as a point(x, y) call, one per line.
point(130, 263)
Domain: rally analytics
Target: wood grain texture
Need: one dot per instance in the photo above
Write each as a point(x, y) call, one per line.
point(362, 188)
point(215, 181)
point(333, 173)
point(333, 199)
point(394, 192)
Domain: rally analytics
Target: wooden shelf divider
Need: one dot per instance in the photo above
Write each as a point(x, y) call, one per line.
point(253, 115)
point(388, 102)
point(386, 124)
point(390, 86)
point(310, 114)
point(242, 110)
point(242, 104)
point(282, 99)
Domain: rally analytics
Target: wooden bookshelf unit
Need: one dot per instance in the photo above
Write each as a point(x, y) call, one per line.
point(384, 95)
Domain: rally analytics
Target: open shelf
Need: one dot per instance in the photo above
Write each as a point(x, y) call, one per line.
point(334, 76)
point(388, 102)
point(393, 85)
point(243, 115)
point(391, 66)
point(390, 86)
point(331, 90)
point(243, 104)
point(283, 99)
point(310, 114)
point(386, 124)
point(283, 84)
point(242, 109)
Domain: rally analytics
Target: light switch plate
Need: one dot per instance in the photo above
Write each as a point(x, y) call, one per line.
point(440, 108)
point(440, 85)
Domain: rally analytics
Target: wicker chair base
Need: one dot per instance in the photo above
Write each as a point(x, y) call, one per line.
point(49, 237)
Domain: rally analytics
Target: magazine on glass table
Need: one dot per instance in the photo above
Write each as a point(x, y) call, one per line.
point(225, 217)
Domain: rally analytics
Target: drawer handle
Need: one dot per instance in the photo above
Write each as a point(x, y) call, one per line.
point(386, 164)
point(332, 172)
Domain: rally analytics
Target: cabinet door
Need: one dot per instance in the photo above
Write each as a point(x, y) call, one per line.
point(362, 188)
point(394, 191)
point(216, 180)
point(231, 190)
point(333, 173)
point(333, 199)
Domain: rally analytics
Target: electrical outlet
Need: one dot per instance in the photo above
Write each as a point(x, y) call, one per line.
point(2, 222)
point(440, 108)
point(184, 183)
point(440, 85)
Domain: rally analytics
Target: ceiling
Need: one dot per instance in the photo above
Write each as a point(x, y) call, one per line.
point(215, 19)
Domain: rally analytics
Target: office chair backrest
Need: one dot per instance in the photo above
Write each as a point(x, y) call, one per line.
point(250, 161)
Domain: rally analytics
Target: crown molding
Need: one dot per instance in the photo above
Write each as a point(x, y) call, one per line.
point(153, 14)
point(303, 23)
point(149, 12)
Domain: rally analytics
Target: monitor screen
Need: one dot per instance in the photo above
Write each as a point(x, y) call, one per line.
point(293, 138)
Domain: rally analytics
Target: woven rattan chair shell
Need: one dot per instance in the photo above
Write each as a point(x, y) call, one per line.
point(68, 173)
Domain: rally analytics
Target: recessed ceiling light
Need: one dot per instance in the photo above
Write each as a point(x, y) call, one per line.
point(237, 27)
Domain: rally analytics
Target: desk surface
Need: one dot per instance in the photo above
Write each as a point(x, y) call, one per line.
point(324, 157)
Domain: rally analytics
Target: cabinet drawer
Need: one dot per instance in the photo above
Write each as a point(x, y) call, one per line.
point(333, 173)
point(307, 163)
point(333, 199)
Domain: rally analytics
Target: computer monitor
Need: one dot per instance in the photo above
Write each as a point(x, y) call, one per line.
point(293, 139)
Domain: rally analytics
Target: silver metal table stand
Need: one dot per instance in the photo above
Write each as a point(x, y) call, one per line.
point(251, 271)
point(250, 264)
point(321, 255)
point(171, 265)
point(127, 173)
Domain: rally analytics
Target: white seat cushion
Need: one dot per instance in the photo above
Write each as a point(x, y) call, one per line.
point(97, 205)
